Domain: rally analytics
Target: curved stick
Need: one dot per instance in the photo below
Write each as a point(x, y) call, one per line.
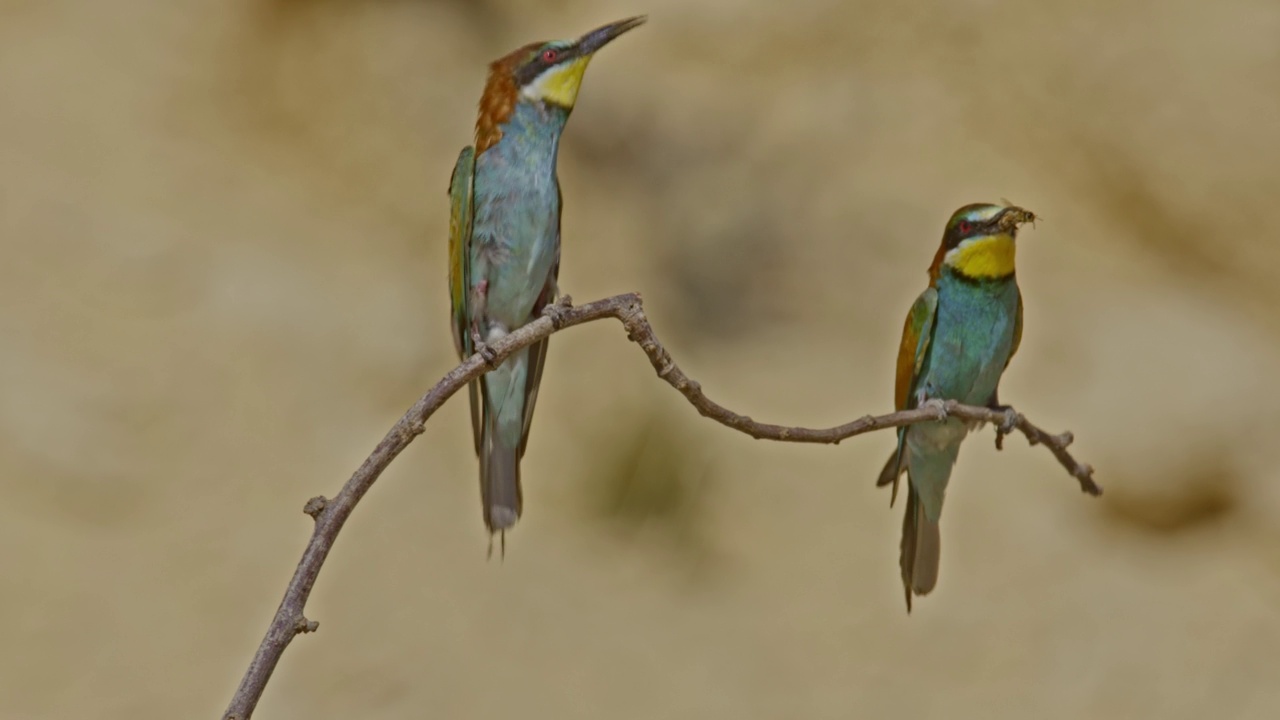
point(331, 515)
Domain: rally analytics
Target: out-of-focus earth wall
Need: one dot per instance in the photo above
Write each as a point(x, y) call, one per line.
point(223, 279)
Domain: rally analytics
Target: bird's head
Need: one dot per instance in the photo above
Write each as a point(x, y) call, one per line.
point(541, 72)
point(980, 241)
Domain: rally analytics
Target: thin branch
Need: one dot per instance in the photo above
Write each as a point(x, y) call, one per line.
point(331, 515)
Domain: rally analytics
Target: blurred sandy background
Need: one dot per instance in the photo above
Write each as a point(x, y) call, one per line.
point(223, 279)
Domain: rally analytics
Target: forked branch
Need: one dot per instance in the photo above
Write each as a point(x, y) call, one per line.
point(331, 515)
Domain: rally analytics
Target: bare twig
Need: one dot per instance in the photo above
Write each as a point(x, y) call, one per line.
point(331, 515)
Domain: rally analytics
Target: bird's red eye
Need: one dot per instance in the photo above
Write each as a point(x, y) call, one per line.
point(964, 227)
point(549, 56)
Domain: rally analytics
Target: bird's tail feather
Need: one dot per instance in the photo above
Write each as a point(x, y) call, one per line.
point(499, 480)
point(921, 548)
point(502, 418)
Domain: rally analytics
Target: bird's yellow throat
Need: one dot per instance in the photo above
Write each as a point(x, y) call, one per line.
point(986, 257)
point(559, 84)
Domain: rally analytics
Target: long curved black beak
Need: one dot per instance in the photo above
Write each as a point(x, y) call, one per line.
point(602, 36)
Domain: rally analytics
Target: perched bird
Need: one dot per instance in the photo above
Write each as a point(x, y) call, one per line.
point(504, 245)
point(956, 343)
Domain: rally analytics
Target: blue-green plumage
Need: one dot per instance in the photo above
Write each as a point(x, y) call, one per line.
point(971, 344)
point(514, 259)
point(505, 245)
point(958, 339)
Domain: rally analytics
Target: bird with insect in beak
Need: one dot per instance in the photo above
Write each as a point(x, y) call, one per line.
point(956, 343)
point(504, 245)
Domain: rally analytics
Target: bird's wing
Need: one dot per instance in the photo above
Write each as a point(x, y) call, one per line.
point(461, 213)
point(994, 401)
point(537, 356)
point(1017, 331)
point(538, 350)
point(917, 331)
point(461, 186)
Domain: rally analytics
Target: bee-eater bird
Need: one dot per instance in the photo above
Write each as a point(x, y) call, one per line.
point(956, 343)
point(504, 245)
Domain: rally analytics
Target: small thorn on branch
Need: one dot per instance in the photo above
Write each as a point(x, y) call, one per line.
point(315, 506)
point(410, 431)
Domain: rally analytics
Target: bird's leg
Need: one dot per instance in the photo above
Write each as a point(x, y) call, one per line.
point(1007, 425)
point(555, 310)
point(479, 295)
point(486, 352)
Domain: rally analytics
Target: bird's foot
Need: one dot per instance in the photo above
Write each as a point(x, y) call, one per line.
point(938, 405)
point(556, 311)
point(1007, 425)
point(486, 352)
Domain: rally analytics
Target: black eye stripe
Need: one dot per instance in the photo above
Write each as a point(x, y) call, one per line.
point(954, 235)
point(535, 67)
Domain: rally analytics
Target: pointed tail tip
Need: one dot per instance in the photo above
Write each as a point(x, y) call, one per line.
point(889, 474)
point(502, 544)
point(914, 591)
point(500, 520)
